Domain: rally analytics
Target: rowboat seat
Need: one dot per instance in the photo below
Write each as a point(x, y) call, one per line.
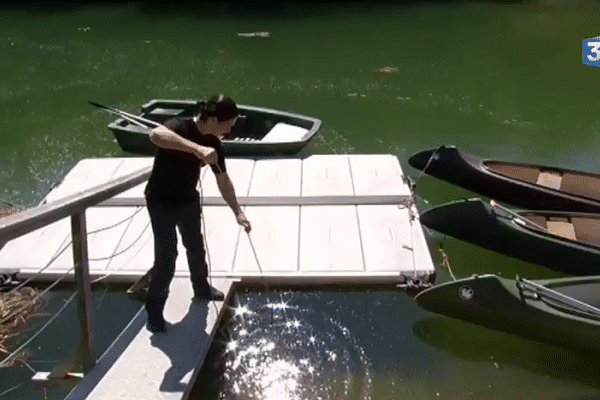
point(282, 132)
point(167, 111)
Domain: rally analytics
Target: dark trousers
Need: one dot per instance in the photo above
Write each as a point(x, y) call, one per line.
point(164, 218)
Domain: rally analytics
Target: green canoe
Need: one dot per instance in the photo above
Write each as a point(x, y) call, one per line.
point(258, 131)
point(550, 238)
point(563, 312)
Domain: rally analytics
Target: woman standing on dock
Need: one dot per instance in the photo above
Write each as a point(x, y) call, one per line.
point(185, 145)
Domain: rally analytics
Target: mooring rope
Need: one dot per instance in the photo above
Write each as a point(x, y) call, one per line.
point(446, 263)
point(431, 158)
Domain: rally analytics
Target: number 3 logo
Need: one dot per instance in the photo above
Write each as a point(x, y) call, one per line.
point(595, 46)
point(591, 51)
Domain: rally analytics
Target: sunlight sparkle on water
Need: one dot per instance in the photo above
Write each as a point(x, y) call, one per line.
point(242, 310)
point(293, 324)
point(279, 306)
point(284, 350)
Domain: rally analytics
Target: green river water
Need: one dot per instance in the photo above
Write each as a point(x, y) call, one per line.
point(499, 80)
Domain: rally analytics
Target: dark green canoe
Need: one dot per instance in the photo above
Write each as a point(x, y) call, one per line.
point(258, 131)
point(563, 312)
point(565, 241)
point(528, 186)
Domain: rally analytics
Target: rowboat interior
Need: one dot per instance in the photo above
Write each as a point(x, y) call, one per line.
point(251, 125)
point(576, 183)
point(578, 228)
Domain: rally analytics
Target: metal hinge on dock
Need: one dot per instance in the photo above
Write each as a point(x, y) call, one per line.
point(8, 279)
point(417, 283)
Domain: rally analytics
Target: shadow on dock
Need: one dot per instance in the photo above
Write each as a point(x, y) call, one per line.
point(182, 342)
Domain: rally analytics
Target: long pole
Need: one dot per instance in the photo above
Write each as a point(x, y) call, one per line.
point(136, 119)
point(494, 204)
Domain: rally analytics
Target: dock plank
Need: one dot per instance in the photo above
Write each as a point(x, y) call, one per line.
point(292, 234)
point(240, 172)
point(86, 174)
point(326, 175)
point(103, 237)
point(135, 250)
point(329, 240)
point(36, 249)
point(275, 238)
point(377, 174)
point(129, 167)
point(277, 178)
point(386, 238)
point(222, 235)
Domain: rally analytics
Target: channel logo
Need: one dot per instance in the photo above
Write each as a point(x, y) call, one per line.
point(591, 51)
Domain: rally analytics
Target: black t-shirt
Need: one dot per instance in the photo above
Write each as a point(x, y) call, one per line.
point(175, 173)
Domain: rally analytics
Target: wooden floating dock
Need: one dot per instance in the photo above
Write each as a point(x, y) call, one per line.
point(323, 219)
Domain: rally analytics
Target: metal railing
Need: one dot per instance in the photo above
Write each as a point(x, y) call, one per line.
point(73, 206)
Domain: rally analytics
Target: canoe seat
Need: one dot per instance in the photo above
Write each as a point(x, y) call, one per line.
point(285, 133)
point(587, 230)
point(550, 180)
point(562, 229)
point(522, 172)
point(581, 184)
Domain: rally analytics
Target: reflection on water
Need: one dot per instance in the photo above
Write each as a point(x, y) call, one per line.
point(281, 351)
point(479, 344)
